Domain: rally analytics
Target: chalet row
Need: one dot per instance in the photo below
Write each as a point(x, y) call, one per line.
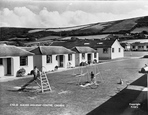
point(64, 56)
point(136, 46)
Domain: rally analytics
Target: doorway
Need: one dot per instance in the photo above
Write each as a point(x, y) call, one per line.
point(61, 61)
point(77, 60)
point(89, 58)
point(8, 66)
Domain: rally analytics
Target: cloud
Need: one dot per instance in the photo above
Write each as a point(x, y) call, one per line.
point(25, 17)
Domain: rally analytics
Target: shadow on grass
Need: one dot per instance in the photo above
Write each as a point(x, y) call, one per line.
point(118, 103)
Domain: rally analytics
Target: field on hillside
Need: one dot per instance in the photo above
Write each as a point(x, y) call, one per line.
point(122, 26)
point(89, 37)
point(67, 98)
point(139, 30)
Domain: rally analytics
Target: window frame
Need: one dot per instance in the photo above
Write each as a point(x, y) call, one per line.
point(23, 60)
point(48, 59)
point(83, 55)
point(95, 55)
point(105, 50)
point(113, 50)
point(119, 49)
point(69, 57)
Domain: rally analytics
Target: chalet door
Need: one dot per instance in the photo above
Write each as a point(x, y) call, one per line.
point(61, 60)
point(9, 66)
point(89, 58)
point(77, 62)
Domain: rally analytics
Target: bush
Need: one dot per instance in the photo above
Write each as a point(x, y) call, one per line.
point(95, 61)
point(83, 64)
point(56, 68)
point(21, 72)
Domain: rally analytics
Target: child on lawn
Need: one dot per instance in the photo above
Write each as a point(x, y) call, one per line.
point(93, 78)
point(36, 74)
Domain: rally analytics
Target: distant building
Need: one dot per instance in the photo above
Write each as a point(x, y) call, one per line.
point(85, 54)
point(107, 49)
point(126, 46)
point(137, 46)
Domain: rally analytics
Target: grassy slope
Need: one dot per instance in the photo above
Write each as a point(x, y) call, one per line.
point(125, 25)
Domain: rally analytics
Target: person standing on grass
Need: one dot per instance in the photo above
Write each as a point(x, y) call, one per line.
point(92, 77)
point(36, 74)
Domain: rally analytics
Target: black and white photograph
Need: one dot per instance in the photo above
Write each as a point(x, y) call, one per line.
point(73, 57)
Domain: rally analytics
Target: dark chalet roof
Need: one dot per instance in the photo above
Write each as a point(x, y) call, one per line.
point(83, 49)
point(51, 50)
point(7, 50)
point(89, 43)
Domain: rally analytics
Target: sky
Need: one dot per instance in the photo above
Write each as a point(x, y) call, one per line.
point(65, 13)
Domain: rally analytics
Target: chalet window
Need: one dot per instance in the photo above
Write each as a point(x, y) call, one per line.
point(95, 55)
point(133, 46)
point(146, 46)
point(112, 50)
point(69, 57)
point(83, 55)
point(49, 58)
point(139, 46)
point(105, 50)
point(23, 60)
point(1, 61)
point(119, 50)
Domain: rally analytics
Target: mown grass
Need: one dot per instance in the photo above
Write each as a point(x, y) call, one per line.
point(75, 99)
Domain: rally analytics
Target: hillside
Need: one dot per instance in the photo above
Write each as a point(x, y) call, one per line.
point(133, 25)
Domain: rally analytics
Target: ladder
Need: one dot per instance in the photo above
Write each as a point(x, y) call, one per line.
point(45, 86)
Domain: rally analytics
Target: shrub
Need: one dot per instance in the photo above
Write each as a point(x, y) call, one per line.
point(56, 68)
point(95, 61)
point(21, 72)
point(83, 64)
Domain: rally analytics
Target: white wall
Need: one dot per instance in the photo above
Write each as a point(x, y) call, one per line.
point(73, 60)
point(116, 54)
point(30, 65)
point(86, 57)
point(15, 66)
point(80, 57)
point(2, 70)
point(97, 57)
point(49, 66)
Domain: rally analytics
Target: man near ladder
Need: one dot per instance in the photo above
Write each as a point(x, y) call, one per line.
point(36, 74)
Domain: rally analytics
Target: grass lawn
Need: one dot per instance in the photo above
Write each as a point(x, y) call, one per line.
point(67, 98)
